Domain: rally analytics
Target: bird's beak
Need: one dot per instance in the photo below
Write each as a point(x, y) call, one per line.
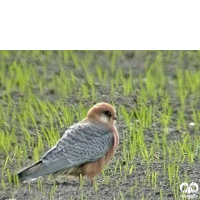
point(115, 117)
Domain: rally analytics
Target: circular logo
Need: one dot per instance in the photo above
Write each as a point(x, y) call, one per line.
point(189, 190)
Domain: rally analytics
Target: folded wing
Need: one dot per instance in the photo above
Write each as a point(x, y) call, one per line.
point(81, 143)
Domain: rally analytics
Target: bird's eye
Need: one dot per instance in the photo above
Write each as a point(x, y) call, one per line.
point(108, 113)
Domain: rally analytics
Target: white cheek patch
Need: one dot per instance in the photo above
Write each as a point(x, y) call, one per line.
point(104, 119)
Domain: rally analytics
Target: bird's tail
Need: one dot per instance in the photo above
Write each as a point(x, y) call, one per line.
point(32, 172)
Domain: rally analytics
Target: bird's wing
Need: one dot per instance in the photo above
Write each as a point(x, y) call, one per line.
point(81, 143)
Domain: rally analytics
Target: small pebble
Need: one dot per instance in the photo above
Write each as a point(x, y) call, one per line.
point(191, 123)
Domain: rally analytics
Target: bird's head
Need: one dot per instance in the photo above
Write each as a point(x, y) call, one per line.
point(102, 112)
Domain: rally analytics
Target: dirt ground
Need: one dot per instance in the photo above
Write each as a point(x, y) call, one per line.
point(70, 189)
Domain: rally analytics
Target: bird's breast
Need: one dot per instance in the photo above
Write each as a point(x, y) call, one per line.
point(94, 168)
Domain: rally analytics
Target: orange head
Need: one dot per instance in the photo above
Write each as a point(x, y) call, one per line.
point(102, 112)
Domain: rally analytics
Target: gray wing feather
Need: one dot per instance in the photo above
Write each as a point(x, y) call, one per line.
point(81, 143)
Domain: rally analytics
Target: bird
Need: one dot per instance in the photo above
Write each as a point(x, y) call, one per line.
point(84, 149)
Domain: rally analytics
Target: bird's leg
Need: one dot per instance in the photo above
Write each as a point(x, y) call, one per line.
point(92, 182)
